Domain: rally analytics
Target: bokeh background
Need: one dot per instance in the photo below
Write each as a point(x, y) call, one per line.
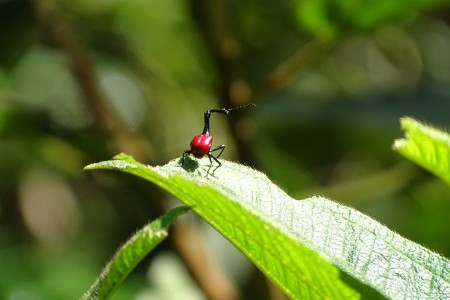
point(83, 80)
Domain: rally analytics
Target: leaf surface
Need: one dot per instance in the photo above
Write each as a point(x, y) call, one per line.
point(289, 239)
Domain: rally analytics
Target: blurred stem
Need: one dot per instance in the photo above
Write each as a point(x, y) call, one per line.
point(213, 18)
point(214, 21)
point(215, 285)
point(190, 247)
point(284, 73)
point(104, 117)
point(63, 34)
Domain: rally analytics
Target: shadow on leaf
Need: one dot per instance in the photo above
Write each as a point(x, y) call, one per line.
point(188, 164)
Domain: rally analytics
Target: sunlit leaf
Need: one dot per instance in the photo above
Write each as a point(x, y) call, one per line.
point(426, 146)
point(327, 18)
point(288, 239)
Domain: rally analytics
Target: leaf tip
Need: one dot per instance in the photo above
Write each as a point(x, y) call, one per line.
point(407, 123)
point(90, 167)
point(124, 156)
point(399, 143)
point(119, 162)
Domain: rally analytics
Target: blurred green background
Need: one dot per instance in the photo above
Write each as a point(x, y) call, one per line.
point(83, 80)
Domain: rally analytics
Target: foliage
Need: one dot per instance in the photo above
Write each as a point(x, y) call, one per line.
point(277, 232)
point(426, 146)
point(83, 80)
point(131, 253)
point(330, 18)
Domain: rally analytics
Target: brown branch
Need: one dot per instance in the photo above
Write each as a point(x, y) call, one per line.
point(215, 285)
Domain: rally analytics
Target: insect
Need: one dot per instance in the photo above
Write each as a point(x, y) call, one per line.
point(201, 144)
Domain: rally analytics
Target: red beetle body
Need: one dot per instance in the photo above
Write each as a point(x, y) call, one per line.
point(201, 144)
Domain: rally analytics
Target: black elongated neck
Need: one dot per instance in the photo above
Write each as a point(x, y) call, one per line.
point(207, 115)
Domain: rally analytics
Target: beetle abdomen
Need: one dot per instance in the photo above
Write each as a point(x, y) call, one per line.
point(201, 144)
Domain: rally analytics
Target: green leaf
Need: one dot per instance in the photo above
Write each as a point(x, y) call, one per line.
point(131, 253)
point(327, 18)
point(366, 14)
point(288, 239)
point(426, 146)
point(313, 17)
